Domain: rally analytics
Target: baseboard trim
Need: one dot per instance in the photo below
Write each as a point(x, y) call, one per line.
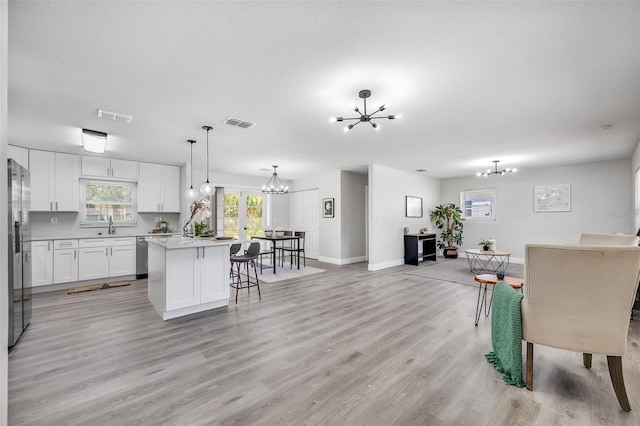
point(385, 265)
point(336, 261)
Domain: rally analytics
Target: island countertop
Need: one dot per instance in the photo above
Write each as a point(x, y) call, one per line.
point(185, 242)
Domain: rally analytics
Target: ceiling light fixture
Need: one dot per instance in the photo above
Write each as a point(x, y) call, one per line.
point(207, 189)
point(191, 194)
point(275, 185)
point(364, 117)
point(495, 171)
point(94, 141)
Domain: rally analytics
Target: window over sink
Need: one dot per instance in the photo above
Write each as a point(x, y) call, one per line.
point(101, 200)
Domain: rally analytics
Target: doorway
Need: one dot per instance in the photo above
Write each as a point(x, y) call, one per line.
point(243, 213)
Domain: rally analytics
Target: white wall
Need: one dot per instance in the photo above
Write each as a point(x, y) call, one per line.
point(353, 217)
point(635, 165)
point(601, 201)
point(387, 216)
point(4, 302)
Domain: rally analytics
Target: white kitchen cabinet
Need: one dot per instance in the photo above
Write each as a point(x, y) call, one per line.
point(158, 188)
point(122, 261)
point(20, 154)
point(109, 168)
point(93, 263)
point(106, 257)
point(54, 181)
point(65, 261)
point(41, 263)
point(196, 271)
point(184, 279)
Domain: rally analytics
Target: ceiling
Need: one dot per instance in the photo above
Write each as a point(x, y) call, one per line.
point(526, 83)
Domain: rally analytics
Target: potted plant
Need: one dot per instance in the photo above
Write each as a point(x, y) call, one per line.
point(485, 244)
point(448, 218)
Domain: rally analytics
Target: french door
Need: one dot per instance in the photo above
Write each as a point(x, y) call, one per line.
point(243, 213)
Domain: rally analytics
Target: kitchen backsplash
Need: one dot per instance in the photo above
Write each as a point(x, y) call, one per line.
point(68, 224)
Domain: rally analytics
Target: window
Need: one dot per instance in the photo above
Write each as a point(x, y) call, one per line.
point(479, 204)
point(101, 200)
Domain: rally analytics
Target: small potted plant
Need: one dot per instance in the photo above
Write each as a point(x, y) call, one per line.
point(485, 244)
point(448, 218)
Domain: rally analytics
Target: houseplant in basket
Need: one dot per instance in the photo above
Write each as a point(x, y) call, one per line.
point(448, 218)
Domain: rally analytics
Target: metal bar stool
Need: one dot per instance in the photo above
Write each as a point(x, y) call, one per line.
point(249, 258)
point(233, 250)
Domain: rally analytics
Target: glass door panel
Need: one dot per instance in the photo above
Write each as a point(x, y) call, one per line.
point(243, 214)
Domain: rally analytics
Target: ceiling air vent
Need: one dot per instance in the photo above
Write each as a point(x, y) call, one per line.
point(232, 121)
point(114, 116)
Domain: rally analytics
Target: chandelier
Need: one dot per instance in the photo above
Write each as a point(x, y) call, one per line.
point(275, 185)
point(364, 117)
point(495, 170)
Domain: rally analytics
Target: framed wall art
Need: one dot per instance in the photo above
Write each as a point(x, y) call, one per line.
point(327, 207)
point(413, 206)
point(553, 198)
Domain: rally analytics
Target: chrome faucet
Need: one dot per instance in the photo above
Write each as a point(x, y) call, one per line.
point(112, 227)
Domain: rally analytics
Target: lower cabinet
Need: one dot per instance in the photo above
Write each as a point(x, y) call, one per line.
point(94, 263)
point(106, 257)
point(193, 277)
point(65, 265)
point(41, 263)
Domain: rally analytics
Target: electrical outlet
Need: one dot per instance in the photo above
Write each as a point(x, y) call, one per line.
point(158, 219)
point(54, 220)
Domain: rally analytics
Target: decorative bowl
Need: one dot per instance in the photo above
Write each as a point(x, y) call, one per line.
point(279, 233)
point(268, 233)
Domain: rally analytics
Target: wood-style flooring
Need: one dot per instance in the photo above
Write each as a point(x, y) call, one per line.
point(343, 347)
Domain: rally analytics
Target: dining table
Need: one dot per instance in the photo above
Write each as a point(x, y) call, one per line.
point(274, 241)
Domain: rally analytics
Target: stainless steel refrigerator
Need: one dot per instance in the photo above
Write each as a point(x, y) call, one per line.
point(19, 265)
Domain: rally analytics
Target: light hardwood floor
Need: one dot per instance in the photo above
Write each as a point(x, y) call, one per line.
point(344, 347)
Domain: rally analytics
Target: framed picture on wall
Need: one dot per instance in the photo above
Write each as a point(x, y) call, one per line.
point(553, 198)
point(413, 206)
point(327, 207)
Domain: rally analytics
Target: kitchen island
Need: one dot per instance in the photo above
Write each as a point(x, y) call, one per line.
point(188, 275)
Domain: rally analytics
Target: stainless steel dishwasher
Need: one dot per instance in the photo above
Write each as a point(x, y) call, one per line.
point(141, 257)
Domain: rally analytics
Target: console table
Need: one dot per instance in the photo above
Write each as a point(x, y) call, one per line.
point(412, 245)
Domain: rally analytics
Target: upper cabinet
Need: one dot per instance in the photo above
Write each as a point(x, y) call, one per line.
point(108, 168)
point(54, 181)
point(20, 154)
point(159, 188)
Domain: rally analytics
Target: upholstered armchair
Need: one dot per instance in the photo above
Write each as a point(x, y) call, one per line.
point(578, 297)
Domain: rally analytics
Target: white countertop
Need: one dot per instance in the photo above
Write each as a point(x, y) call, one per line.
point(104, 235)
point(183, 242)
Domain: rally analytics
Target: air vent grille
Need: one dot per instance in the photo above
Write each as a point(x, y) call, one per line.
point(243, 124)
point(114, 116)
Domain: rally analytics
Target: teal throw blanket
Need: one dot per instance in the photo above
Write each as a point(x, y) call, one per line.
point(506, 333)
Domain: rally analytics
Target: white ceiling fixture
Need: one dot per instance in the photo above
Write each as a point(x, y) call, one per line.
point(114, 116)
point(364, 117)
point(236, 122)
point(94, 141)
point(495, 171)
point(191, 194)
point(275, 185)
point(207, 189)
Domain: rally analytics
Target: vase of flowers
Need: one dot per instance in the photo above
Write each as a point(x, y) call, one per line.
point(200, 210)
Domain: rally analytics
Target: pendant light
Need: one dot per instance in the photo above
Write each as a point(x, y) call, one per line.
point(207, 189)
point(191, 194)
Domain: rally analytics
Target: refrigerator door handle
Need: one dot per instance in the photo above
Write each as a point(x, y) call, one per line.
point(18, 238)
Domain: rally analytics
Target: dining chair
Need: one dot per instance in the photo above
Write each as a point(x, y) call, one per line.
point(297, 248)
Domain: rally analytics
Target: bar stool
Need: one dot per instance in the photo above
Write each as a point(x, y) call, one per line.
point(249, 258)
point(233, 250)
